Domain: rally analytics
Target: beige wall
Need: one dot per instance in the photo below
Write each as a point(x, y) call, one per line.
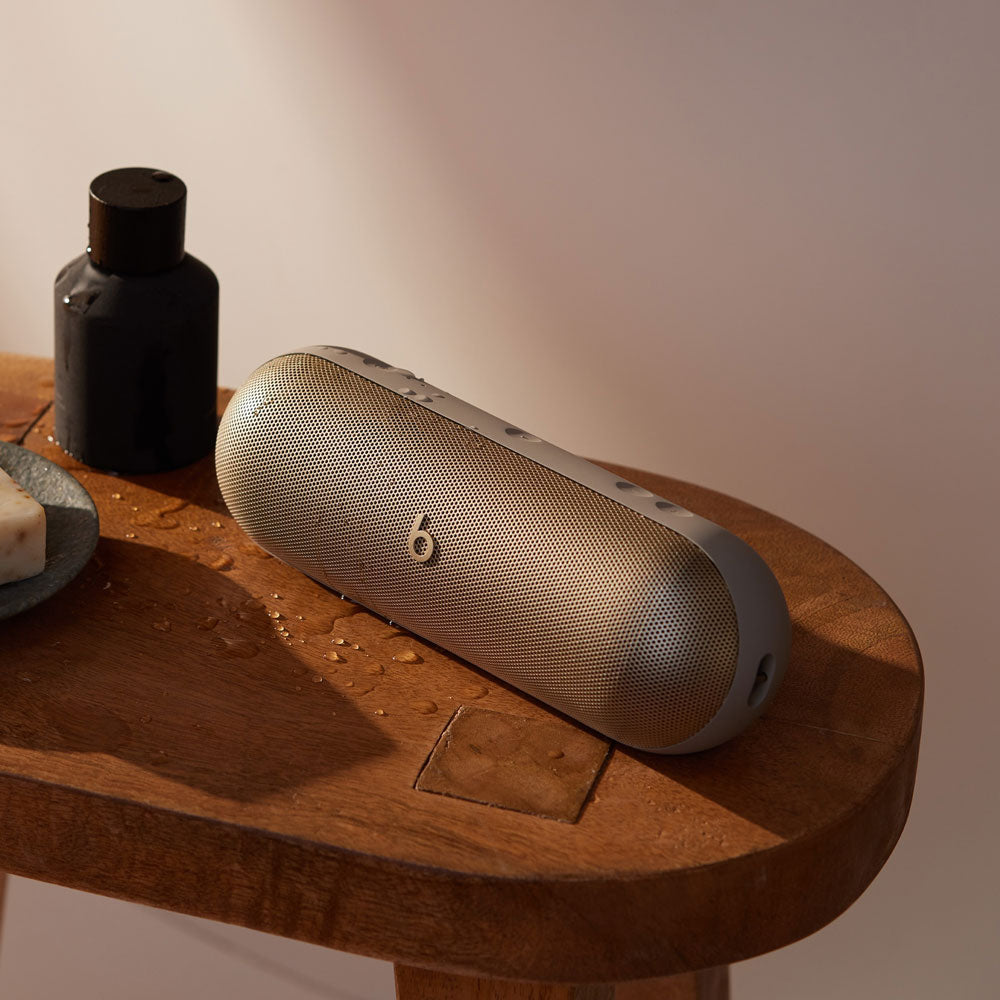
point(754, 245)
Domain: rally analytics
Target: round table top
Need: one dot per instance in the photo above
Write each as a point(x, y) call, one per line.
point(208, 730)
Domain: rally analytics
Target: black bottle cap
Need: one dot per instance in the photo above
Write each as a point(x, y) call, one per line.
point(137, 220)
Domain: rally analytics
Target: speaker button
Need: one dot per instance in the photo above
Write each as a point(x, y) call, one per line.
point(636, 491)
point(523, 435)
point(672, 508)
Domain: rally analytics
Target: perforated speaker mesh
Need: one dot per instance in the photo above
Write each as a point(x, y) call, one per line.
point(586, 604)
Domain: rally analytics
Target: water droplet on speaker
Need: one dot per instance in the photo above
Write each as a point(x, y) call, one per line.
point(349, 684)
point(340, 642)
point(380, 711)
point(116, 496)
point(252, 604)
point(207, 624)
point(224, 561)
point(407, 656)
point(375, 669)
point(556, 754)
point(277, 597)
point(146, 718)
point(354, 645)
point(477, 691)
point(130, 534)
point(274, 614)
point(299, 671)
point(424, 707)
point(163, 626)
point(317, 679)
point(334, 656)
point(216, 524)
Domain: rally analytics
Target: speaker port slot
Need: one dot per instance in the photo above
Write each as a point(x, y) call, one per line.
point(765, 671)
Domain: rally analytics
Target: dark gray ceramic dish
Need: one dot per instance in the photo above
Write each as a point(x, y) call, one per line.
point(71, 527)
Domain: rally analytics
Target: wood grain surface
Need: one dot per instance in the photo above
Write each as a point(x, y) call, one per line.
point(195, 725)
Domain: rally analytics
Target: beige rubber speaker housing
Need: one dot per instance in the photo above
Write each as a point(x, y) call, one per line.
point(619, 608)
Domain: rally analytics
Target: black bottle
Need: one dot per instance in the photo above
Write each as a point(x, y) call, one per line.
point(136, 332)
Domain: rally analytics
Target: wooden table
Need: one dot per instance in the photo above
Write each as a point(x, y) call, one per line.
point(194, 725)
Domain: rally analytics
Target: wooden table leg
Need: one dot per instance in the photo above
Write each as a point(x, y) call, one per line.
point(706, 984)
point(424, 984)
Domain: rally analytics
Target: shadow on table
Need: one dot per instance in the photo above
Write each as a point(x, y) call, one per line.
point(841, 719)
point(159, 662)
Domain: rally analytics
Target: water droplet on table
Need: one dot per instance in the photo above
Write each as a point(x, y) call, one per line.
point(407, 656)
point(424, 707)
point(239, 648)
point(254, 550)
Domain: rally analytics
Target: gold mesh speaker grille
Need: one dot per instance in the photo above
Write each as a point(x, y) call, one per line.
point(589, 606)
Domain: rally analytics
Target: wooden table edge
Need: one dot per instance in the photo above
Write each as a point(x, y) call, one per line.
point(339, 884)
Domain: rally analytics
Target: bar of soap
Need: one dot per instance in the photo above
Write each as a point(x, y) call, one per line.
point(22, 532)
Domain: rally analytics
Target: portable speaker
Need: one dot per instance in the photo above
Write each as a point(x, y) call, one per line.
point(640, 619)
